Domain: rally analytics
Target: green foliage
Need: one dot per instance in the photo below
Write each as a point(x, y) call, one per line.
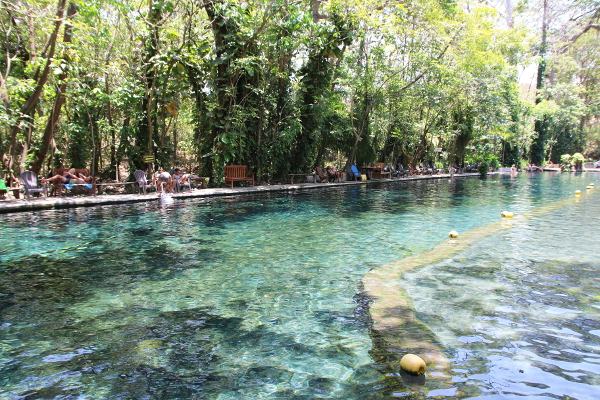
point(485, 156)
point(512, 154)
point(282, 88)
point(568, 162)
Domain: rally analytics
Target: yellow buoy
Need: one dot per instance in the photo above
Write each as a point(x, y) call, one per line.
point(577, 192)
point(453, 234)
point(507, 214)
point(592, 184)
point(412, 364)
point(589, 187)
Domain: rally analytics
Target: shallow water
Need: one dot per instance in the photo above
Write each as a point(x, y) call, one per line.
point(259, 296)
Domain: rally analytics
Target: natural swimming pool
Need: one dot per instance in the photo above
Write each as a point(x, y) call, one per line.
point(260, 296)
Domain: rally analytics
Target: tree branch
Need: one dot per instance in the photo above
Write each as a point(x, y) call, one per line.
point(578, 35)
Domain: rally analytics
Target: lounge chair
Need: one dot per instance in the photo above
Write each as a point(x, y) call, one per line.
point(425, 170)
point(29, 180)
point(400, 171)
point(354, 173)
point(321, 177)
point(140, 178)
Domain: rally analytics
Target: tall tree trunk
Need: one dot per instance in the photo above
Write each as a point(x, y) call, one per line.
point(97, 151)
point(42, 77)
point(357, 132)
point(40, 155)
point(221, 31)
point(26, 146)
point(114, 163)
point(509, 18)
point(537, 150)
point(113, 134)
point(175, 141)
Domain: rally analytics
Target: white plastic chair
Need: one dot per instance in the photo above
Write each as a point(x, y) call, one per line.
point(140, 178)
point(179, 185)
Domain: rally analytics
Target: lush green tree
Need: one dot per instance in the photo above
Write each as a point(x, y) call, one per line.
point(284, 86)
point(567, 77)
point(27, 65)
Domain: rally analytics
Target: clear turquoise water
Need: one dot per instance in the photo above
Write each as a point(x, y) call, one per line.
point(259, 297)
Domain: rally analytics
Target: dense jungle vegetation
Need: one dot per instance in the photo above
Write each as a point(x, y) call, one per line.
point(285, 85)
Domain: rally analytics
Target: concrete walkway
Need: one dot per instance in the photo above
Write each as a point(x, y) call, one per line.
point(45, 203)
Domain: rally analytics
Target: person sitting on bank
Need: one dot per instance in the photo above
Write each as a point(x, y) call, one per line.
point(331, 174)
point(535, 168)
point(70, 177)
point(180, 178)
point(180, 175)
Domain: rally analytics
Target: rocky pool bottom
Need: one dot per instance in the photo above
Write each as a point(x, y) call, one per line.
point(261, 296)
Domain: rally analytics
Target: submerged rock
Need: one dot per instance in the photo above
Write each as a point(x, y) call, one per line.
point(141, 231)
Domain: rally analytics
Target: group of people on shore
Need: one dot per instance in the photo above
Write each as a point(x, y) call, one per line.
point(166, 181)
point(514, 170)
point(534, 168)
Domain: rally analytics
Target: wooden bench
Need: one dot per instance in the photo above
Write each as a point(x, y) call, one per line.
point(61, 171)
point(379, 171)
point(238, 173)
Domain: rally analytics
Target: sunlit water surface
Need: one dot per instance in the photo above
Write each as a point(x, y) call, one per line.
point(259, 297)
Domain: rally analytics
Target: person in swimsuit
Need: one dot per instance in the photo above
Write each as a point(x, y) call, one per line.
point(331, 174)
point(70, 177)
point(181, 176)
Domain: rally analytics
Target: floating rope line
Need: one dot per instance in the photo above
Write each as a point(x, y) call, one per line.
point(396, 329)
